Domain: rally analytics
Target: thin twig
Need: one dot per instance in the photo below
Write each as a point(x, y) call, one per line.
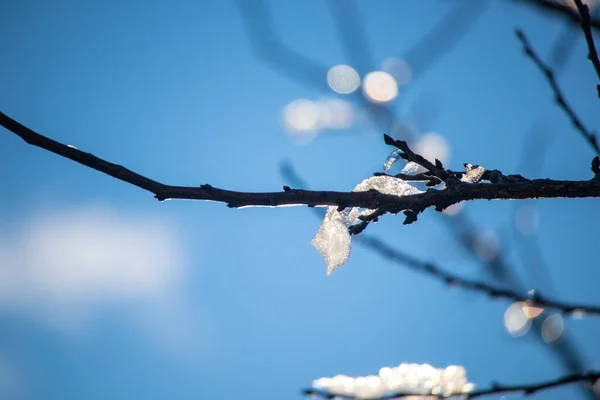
point(589, 136)
point(584, 12)
point(590, 377)
point(559, 9)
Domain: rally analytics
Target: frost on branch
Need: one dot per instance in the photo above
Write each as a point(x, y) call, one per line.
point(410, 167)
point(406, 378)
point(333, 239)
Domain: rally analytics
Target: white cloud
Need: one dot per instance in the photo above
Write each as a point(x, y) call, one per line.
point(65, 268)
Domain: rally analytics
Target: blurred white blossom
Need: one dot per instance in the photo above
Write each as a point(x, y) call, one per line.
point(417, 379)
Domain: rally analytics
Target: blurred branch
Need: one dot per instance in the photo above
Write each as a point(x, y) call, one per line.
point(560, 9)
point(445, 35)
point(440, 199)
point(496, 388)
point(269, 48)
point(589, 136)
point(465, 232)
point(584, 12)
point(352, 34)
point(454, 280)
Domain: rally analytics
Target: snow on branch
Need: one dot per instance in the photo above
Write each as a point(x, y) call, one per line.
point(408, 380)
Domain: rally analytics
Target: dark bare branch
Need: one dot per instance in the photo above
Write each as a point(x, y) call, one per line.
point(559, 9)
point(584, 12)
point(440, 199)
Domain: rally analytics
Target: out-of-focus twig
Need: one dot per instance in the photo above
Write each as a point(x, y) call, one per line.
point(589, 136)
point(559, 9)
point(584, 12)
point(454, 280)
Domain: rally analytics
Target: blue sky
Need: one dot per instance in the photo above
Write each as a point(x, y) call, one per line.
point(110, 294)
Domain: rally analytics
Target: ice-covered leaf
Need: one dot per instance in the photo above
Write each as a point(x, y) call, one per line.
point(391, 160)
point(333, 239)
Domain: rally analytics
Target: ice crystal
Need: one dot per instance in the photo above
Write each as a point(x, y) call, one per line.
point(333, 239)
point(391, 160)
point(473, 174)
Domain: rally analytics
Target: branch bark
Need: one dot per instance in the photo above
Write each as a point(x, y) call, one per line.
point(440, 199)
point(586, 26)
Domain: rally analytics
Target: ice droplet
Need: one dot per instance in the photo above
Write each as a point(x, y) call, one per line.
point(333, 240)
point(391, 160)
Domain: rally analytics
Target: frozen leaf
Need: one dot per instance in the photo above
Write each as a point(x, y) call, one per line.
point(391, 160)
point(333, 239)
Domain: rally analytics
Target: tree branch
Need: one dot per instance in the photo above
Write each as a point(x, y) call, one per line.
point(584, 12)
point(559, 9)
point(559, 98)
point(590, 377)
point(536, 300)
point(440, 199)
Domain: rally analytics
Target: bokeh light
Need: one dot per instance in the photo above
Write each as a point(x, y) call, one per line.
point(343, 79)
point(571, 3)
point(532, 311)
point(304, 119)
point(433, 145)
point(486, 245)
point(335, 114)
point(380, 87)
point(552, 328)
point(399, 69)
point(301, 115)
point(516, 320)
